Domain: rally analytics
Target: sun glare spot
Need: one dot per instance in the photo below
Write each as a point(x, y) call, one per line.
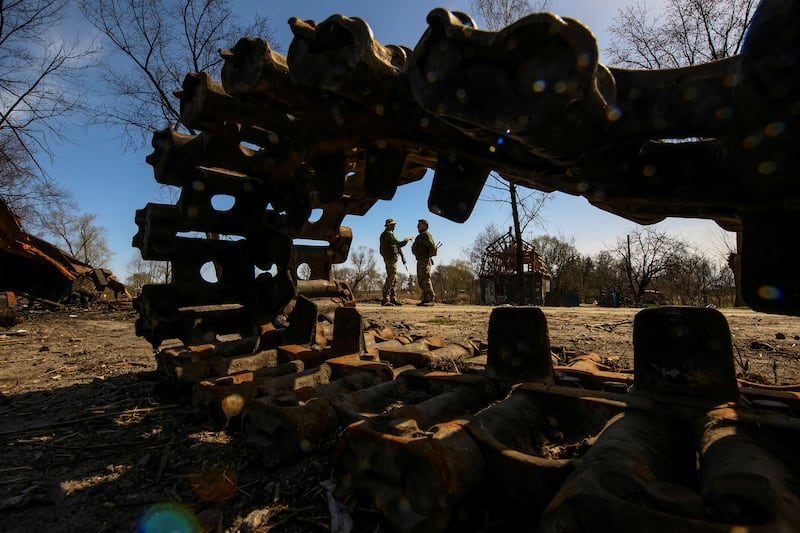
point(774, 129)
point(767, 167)
point(168, 516)
point(689, 95)
point(724, 113)
point(751, 141)
point(769, 292)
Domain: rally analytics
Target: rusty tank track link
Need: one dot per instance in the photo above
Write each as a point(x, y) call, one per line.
point(681, 451)
point(342, 120)
point(677, 445)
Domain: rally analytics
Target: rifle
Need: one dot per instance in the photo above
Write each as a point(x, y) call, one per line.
point(438, 245)
point(402, 257)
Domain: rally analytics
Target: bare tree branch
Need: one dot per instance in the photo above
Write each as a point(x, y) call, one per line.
point(497, 14)
point(40, 92)
point(647, 254)
point(682, 33)
point(685, 32)
point(160, 41)
point(80, 236)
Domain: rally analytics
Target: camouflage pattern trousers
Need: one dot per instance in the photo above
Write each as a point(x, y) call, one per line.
point(424, 279)
point(391, 279)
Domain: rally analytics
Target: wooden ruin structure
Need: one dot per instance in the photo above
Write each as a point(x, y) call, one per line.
point(500, 280)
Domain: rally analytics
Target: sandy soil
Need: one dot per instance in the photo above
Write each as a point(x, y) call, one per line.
point(90, 445)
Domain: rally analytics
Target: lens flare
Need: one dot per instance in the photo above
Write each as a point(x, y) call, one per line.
point(169, 517)
point(770, 292)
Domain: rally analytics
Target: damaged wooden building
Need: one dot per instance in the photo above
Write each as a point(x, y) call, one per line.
point(500, 280)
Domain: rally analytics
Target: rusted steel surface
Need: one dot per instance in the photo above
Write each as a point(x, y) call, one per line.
point(8, 309)
point(426, 434)
point(223, 399)
point(36, 268)
point(677, 445)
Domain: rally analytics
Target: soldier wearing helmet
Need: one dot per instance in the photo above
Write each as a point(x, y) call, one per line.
point(390, 249)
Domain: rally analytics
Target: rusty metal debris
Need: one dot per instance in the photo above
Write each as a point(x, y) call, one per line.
point(37, 269)
point(8, 309)
point(425, 430)
point(510, 436)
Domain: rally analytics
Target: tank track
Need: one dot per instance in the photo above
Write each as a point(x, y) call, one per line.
point(296, 143)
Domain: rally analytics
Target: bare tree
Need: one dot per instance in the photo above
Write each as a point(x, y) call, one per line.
point(684, 32)
point(692, 278)
point(563, 259)
point(39, 92)
point(455, 283)
point(134, 282)
point(724, 288)
point(729, 248)
point(80, 236)
point(606, 270)
point(607, 276)
point(362, 274)
point(160, 42)
point(645, 255)
point(495, 15)
point(476, 252)
point(144, 272)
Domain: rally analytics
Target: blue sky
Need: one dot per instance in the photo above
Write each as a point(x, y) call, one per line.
point(113, 183)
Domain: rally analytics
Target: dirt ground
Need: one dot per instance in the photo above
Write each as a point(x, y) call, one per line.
point(90, 444)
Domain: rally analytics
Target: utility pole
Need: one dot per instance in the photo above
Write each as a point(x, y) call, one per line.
point(512, 190)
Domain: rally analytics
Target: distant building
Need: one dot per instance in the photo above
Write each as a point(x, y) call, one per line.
point(499, 279)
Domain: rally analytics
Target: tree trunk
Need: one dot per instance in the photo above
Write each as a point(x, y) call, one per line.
point(512, 190)
point(735, 263)
point(629, 273)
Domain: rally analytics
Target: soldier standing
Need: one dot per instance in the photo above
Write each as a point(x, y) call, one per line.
point(390, 249)
point(424, 249)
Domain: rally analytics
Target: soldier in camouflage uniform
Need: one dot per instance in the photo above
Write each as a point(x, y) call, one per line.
point(390, 249)
point(424, 249)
